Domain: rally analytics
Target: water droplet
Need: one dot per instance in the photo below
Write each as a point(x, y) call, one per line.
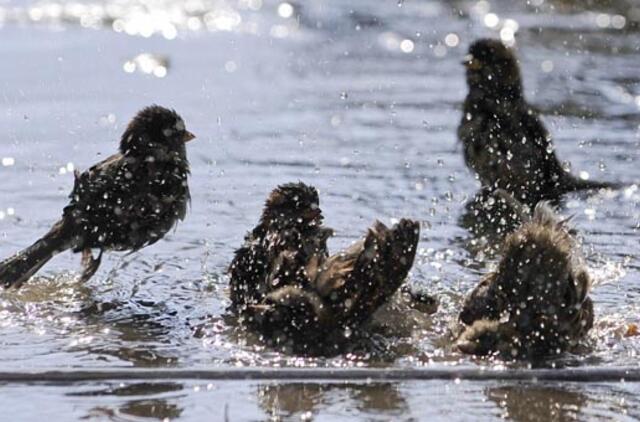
point(407, 46)
point(285, 10)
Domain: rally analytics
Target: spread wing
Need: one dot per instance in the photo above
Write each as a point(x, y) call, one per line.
point(359, 280)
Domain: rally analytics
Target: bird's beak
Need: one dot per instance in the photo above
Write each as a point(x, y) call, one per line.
point(188, 136)
point(313, 213)
point(260, 308)
point(470, 63)
point(326, 233)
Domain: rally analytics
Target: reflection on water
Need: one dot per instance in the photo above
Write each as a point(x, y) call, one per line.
point(522, 403)
point(157, 408)
point(291, 399)
point(305, 400)
point(321, 401)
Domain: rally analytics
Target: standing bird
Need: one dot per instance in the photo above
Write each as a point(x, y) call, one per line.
point(285, 284)
point(536, 303)
point(504, 140)
point(128, 201)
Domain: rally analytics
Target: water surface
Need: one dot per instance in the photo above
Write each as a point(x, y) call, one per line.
point(358, 98)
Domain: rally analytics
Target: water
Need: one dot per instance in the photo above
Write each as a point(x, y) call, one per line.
point(360, 99)
point(407, 401)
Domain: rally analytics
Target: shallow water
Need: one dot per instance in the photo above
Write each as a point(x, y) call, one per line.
point(360, 99)
point(406, 401)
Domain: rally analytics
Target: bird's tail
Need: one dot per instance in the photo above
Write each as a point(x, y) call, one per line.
point(19, 268)
point(576, 184)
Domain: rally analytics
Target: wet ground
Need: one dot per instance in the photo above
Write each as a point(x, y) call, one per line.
point(360, 99)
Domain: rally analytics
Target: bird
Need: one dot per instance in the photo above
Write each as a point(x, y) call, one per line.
point(504, 140)
point(124, 203)
point(290, 228)
point(536, 302)
point(286, 285)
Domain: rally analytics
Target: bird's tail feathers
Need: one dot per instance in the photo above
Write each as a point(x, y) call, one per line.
point(14, 271)
point(576, 184)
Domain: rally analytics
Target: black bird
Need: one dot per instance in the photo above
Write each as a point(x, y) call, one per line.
point(128, 201)
point(504, 140)
point(286, 285)
point(290, 229)
point(536, 303)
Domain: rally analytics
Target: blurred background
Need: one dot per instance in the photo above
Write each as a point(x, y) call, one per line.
point(359, 98)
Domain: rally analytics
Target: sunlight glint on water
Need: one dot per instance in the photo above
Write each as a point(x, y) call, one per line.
point(360, 99)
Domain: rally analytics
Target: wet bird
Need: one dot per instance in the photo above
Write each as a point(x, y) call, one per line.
point(285, 283)
point(503, 138)
point(536, 303)
point(290, 228)
point(128, 201)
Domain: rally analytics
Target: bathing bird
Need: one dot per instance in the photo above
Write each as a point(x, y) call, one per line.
point(285, 283)
point(535, 304)
point(504, 140)
point(124, 203)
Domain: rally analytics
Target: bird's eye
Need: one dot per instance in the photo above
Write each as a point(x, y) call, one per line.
point(179, 126)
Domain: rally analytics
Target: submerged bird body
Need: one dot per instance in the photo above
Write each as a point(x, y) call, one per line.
point(320, 295)
point(504, 140)
point(128, 201)
point(536, 302)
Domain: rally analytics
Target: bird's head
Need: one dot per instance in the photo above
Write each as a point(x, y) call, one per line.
point(155, 128)
point(492, 68)
point(292, 205)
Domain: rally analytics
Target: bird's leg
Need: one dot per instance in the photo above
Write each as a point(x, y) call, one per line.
point(89, 264)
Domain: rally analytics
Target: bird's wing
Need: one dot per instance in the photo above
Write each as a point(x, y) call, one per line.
point(286, 269)
point(126, 203)
point(267, 261)
point(542, 143)
point(332, 275)
point(96, 194)
point(247, 274)
point(358, 281)
point(92, 183)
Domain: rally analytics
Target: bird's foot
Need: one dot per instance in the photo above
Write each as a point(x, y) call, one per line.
point(89, 264)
